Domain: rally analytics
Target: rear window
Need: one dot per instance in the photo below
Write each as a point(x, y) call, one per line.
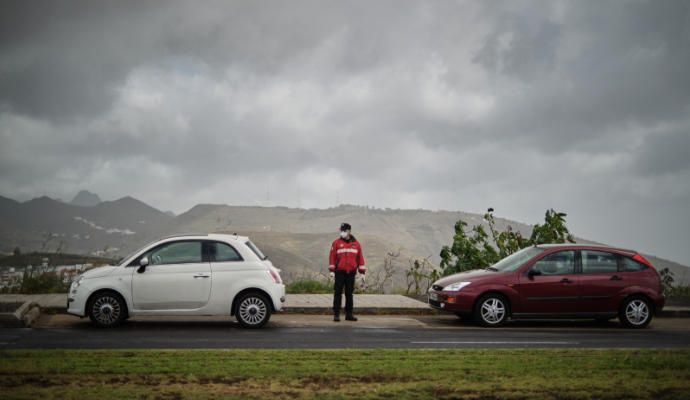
point(256, 250)
point(630, 265)
point(598, 262)
point(222, 252)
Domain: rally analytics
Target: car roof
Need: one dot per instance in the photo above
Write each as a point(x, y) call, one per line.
point(576, 246)
point(218, 236)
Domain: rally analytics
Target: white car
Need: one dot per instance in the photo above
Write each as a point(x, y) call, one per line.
point(213, 274)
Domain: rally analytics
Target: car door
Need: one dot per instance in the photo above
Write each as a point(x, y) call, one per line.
point(551, 287)
point(178, 277)
point(600, 281)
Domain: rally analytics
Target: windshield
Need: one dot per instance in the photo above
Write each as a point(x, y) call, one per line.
point(515, 260)
point(256, 250)
point(128, 256)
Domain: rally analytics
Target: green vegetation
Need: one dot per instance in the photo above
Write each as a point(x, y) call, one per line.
point(472, 249)
point(308, 286)
point(339, 374)
point(42, 277)
point(678, 293)
point(19, 259)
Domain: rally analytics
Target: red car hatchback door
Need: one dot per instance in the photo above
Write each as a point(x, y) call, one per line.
point(550, 286)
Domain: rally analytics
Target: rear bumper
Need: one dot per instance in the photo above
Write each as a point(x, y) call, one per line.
point(278, 296)
point(659, 304)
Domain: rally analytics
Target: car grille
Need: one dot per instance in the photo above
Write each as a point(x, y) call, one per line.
point(437, 287)
point(434, 303)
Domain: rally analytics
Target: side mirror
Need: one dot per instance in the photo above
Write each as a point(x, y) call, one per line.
point(143, 263)
point(532, 273)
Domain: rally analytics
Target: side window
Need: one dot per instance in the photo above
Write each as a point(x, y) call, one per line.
point(630, 265)
point(176, 253)
point(221, 252)
point(598, 262)
point(560, 263)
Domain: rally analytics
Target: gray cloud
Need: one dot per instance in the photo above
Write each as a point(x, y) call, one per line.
point(455, 105)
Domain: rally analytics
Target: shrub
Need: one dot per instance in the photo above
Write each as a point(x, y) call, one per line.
point(310, 286)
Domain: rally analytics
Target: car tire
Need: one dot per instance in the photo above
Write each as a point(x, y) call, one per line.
point(253, 310)
point(106, 309)
point(491, 310)
point(635, 312)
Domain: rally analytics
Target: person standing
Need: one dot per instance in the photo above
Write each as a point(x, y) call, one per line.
point(345, 260)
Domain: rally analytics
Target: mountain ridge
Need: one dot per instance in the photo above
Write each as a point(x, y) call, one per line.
point(299, 238)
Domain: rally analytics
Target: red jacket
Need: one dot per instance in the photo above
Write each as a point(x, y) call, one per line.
point(346, 255)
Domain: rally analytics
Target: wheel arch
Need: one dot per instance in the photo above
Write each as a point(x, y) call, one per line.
point(251, 290)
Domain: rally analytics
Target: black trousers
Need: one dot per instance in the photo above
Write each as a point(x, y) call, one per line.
point(344, 280)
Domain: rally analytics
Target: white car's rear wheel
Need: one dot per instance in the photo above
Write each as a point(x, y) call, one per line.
point(253, 310)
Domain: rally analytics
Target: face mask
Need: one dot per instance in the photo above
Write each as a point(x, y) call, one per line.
point(343, 234)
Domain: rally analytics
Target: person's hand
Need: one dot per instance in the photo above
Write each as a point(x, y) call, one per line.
point(331, 274)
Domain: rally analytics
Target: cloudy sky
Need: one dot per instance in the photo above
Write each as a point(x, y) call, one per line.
point(583, 106)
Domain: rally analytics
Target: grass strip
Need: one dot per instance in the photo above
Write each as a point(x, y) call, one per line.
point(340, 374)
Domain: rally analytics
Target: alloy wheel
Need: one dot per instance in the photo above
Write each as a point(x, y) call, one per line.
point(493, 310)
point(637, 312)
point(252, 310)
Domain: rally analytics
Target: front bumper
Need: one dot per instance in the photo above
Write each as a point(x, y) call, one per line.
point(76, 301)
point(457, 302)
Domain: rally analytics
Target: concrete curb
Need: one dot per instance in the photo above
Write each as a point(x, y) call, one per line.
point(360, 310)
point(673, 312)
point(24, 316)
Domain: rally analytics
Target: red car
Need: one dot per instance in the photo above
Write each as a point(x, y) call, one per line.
point(556, 281)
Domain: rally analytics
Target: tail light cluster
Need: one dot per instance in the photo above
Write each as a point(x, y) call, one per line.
point(638, 257)
point(275, 276)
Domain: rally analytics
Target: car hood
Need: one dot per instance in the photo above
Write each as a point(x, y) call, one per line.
point(467, 276)
point(98, 272)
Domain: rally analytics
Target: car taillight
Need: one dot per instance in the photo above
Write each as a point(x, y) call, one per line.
point(638, 257)
point(275, 276)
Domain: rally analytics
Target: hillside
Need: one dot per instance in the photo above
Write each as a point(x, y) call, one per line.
point(297, 240)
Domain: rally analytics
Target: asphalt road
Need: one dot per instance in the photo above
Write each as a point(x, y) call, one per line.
point(305, 331)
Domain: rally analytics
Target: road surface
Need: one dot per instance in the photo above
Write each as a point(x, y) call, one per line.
point(319, 332)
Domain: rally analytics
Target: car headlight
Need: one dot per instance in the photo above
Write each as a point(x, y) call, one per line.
point(77, 281)
point(456, 286)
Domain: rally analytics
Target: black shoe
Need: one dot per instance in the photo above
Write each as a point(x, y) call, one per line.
point(351, 318)
point(336, 318)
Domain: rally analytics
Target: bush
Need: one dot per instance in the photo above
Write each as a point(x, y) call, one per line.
point(309, 286)
point(678, 292)
point(43, 283)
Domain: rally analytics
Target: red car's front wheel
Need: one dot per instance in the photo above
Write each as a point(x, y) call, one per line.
point(491, 310)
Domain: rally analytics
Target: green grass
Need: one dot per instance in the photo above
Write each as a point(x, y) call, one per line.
point(340, 374)
point(308, 286)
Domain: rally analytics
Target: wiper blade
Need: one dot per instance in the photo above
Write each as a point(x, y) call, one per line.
point(492, 269)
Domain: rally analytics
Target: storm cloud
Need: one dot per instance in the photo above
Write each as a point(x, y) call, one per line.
point(522, 106)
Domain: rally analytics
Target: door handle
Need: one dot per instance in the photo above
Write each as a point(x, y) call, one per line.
point(616, 278)
point(201, 276)
point(566, 280)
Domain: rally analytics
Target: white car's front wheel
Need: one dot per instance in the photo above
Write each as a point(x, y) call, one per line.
point(106, 309)
point(253, 310)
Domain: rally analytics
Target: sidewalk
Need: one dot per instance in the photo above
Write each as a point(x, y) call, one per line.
point(308, 304)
